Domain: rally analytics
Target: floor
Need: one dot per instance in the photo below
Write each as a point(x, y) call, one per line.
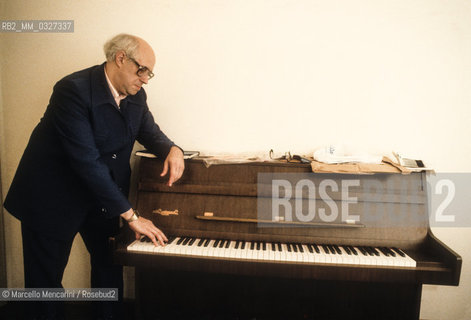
point(74, 311)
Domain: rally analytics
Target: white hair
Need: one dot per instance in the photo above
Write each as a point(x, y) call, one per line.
point(121, 42)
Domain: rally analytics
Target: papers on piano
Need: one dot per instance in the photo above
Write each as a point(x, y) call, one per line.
point(340, 159)
point(334, 154)
point(411, 164)
point(283, 252)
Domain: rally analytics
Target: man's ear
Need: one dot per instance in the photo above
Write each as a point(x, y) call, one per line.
point(119, 60)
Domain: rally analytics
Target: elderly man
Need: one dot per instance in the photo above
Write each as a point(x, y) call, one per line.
point(74, 174)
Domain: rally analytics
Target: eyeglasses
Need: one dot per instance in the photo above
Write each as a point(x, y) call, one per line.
point(142, 70)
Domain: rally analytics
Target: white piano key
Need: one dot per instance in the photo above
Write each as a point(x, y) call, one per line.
point(337, 257)
point(326, 254)
point(231, 251)
point(299, 255)
point(364, 257)
point(195, 249)
point(391, 261)
point(270, 253)
point(307, 255)
point(245, 249)
point(208, 250)
point(277, 253)
point(284, 253)
point(354, 257)
point(238, 251)
point(133, 246)
point(346, 258)
point(382, 259)
point(226, 250)
point(319, 257)
point(408, 261)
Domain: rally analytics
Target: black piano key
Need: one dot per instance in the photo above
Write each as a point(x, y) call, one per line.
point(228, 243)
point(200, 243)
point(264, 246)
point(392, 253)
point(280, 248)
point(170, 239)
point(310, 248)
point(353, 250)
point(347, 250)
point(222, 243)
point(185, 242)
point(180, 240)
point(369, 251)
point(252, 245)
point(326, 249)
point(300, 248)
point(237, 244)
point(206, 242)
point(289, 247)
point(337, 249)
point(375, 252)
point(273, 246)
point(258, 245)
point(363, 251)
point(192, 241)
point(316, 248)
point(399, 251)
point(145, 239)
point(295, 247)
point(243, 245)
point(384, 251)
point(331, 248)
point(216, 243)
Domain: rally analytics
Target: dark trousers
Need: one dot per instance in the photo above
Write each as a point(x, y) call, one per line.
point(45, 259)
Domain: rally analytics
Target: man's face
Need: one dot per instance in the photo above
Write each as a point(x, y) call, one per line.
point(130, 81)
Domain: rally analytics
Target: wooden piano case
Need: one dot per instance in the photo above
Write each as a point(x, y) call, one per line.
point(189, 287)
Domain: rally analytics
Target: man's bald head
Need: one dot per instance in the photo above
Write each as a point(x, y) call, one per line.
point(126, 56)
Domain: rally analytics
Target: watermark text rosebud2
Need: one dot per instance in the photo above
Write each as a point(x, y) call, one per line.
point(283, 201)
point(58, 294)
point(416, 200)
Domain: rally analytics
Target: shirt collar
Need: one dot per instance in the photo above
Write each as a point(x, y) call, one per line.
point(116, 96)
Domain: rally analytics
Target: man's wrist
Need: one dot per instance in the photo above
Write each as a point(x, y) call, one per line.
point(131, 215)
point(178, 148)
point(134, 217)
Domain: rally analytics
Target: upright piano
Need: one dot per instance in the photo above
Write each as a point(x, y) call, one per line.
point(272, 240)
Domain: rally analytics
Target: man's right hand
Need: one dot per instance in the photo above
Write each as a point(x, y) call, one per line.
point(143, 226)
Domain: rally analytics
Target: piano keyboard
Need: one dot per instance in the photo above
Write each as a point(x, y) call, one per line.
point(283, 252)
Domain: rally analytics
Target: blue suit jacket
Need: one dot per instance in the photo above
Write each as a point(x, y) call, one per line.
point(77, 158)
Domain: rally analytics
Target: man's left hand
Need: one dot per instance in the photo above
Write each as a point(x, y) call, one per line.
point(175, 164)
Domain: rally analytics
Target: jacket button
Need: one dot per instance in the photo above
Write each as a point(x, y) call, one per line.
point(114, 156)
